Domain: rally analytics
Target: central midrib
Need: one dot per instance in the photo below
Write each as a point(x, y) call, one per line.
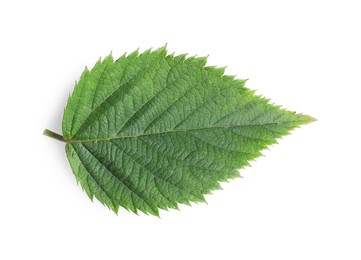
point(170, 132)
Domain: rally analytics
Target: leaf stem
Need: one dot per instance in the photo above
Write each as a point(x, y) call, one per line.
point(51, 134)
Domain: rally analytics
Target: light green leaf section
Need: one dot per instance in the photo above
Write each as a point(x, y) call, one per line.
point(151, 130)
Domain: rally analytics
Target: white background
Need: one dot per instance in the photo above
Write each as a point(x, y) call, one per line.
point(300, 201)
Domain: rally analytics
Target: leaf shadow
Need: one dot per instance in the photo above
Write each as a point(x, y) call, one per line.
point(55, 122)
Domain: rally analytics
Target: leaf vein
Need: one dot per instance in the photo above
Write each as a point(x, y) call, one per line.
point(154, 175)
point(119, 180)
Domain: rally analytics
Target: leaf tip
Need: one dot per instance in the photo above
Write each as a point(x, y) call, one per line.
point(306, 119)
point(311, 119)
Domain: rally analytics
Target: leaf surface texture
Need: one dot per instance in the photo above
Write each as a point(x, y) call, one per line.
point(148, 131)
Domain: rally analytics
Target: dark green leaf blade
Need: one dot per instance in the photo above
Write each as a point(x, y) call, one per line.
point(152, 130)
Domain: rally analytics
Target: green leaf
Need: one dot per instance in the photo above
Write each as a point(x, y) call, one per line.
point(151, 130)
